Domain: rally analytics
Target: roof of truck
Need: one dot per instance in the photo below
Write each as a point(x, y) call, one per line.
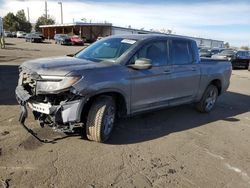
point(148, 36)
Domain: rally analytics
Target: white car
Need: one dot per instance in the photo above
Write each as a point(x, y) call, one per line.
point(20, 34)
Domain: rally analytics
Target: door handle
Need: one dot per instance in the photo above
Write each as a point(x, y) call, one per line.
point(167, 71)
point(193, 68)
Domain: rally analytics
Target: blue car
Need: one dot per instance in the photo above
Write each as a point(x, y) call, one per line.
point(62, 39)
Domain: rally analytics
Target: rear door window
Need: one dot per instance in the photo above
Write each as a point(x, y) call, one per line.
point(181, 52)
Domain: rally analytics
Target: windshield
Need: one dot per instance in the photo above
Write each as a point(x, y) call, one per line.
point(107, 49)
point(227, 52)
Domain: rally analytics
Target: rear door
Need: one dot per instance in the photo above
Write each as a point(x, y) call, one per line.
point(149, 88)
point(185, 71)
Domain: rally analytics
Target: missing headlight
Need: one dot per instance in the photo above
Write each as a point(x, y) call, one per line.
point(55, 84)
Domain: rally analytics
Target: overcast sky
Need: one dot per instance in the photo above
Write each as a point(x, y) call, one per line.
point(226, 20)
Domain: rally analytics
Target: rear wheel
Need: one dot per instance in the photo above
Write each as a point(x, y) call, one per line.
point(208, 100)
point(101, 119)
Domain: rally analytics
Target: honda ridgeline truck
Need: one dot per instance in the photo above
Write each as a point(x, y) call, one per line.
point(119, 76)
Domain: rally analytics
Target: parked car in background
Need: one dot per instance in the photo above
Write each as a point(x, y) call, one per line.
point(238, 58)
point(76, 40)
point(14, 34)
point(20, 34)
point(8, 34)
point(31, 37)
point(205, 52)
point(208, 52)
point(117, 76)
point(227, 54)
point(216, 50)
point(241, 59)
point(39, 34)
point(62, 39)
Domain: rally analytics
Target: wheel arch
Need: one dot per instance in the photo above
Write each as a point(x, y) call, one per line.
point(120, 100)
point(218, 84)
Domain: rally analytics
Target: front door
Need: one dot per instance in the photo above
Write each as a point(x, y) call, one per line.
point(149, 88)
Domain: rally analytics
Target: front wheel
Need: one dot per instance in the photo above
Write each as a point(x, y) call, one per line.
point(208, 100)
point(101, 119)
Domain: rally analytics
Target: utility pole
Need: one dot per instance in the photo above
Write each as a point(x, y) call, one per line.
point(46, 10)
point(28, 10)
point(60, 3)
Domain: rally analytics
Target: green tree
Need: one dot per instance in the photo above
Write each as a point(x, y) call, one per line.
point(23, 24)
point(16, 22)
point(227, 45)
point(42, 20)
point(244, 47)
point(10, 22)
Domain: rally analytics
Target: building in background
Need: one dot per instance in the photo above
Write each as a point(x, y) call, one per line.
point(91, 31)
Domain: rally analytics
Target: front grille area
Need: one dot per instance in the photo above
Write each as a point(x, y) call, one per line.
point(29, 81)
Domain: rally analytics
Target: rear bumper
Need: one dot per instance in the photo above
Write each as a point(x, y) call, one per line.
point(77, 43)
point(37, 40)
point(66, 42)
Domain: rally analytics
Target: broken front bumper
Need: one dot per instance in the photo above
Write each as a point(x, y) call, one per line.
point(22, 97)
point(68, 112)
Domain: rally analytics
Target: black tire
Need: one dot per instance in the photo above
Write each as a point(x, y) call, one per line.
point(98, 126)
point(208, 100)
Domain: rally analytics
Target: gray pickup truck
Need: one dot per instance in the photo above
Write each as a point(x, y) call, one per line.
point(118, 76)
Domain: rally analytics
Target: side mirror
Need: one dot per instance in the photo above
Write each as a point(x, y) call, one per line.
point(141, 64)
point(71, 55)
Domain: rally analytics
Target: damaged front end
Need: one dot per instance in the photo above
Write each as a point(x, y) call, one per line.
point(52, 99)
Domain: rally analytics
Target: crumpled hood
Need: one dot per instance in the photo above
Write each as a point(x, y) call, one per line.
point(60, 66)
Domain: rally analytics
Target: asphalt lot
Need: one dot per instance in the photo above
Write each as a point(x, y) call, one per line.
point(175, 147)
